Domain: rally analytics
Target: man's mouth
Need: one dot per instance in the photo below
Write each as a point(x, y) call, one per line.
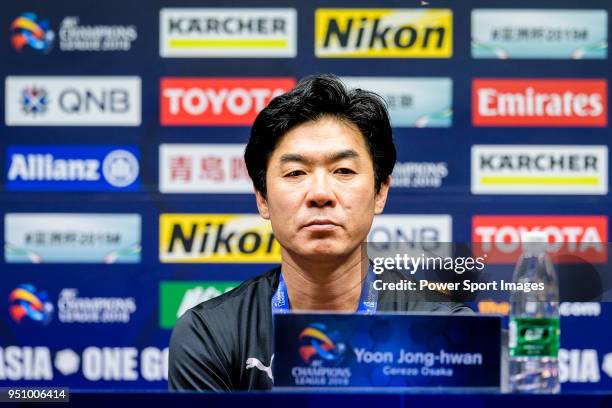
point(320, 224)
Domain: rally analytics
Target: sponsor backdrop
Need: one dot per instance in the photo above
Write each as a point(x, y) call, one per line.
point(125, 200)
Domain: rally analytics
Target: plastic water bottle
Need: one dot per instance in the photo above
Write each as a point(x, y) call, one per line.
point(534, 321)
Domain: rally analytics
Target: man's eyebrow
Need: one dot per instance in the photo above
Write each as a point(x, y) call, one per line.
point(343, 154)
point(296, 157)
point(293, 157)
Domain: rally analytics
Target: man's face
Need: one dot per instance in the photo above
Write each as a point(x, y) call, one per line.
point(320, 190)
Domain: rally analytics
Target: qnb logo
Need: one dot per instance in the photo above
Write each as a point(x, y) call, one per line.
point(78, 101)
point(34, 100)
point(28, 30)
point(319, 344)
point(410, 234)
point(72, 101)
point(26, 302)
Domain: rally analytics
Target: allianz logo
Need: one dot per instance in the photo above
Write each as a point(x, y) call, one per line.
point(119, 168)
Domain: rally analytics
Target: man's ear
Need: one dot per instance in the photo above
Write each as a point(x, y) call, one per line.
point(381, 196)
point(262, 205)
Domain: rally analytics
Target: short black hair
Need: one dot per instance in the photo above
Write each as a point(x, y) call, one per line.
point(315, 97)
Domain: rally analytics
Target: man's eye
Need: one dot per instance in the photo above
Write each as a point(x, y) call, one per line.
point(344, 171)
point(294, 173)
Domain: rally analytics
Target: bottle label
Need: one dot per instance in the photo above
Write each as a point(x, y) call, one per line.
point(534, 337)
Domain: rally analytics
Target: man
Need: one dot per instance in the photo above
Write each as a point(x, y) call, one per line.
point(320, 157)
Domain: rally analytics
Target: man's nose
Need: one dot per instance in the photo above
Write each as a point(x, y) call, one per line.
point(320, 193)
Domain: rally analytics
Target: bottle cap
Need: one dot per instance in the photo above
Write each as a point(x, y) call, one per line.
point(534, 241)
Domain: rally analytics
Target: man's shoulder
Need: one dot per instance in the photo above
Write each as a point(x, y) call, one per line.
point(224, 318)
point(260, 287)
point(212, 340)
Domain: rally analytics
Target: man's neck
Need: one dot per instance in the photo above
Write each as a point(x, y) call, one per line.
point(317, 285)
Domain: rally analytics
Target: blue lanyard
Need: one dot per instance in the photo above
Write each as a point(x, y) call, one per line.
point(367, 301)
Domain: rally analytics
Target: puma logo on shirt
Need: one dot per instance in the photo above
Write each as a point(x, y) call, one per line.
point(254, 362)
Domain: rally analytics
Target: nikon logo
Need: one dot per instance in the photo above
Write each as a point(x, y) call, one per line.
point(383, 33)
point(217, 238)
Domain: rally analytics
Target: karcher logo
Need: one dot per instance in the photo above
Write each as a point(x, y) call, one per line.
point(383, 33)
point(228, 32)
point(539, 169)
point(217, 238)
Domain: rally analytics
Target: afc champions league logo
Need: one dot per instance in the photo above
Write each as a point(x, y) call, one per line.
point(26, 301)
point(317, 344)
point(28, 30)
